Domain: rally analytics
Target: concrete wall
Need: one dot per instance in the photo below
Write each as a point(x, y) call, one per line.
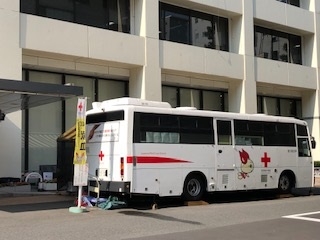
point(10, 68)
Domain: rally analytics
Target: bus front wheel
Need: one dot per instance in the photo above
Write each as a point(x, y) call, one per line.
point(286, 183)
point(193, 188)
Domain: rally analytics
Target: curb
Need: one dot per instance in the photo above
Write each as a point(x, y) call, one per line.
point(315, 190)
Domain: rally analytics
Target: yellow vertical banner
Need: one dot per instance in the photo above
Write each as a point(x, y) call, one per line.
point(80, 155)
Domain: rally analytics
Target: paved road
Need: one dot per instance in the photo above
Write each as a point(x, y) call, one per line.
point(227, 218)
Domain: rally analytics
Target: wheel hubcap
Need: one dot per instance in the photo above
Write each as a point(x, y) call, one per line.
point(194, 187)
point(284, 183)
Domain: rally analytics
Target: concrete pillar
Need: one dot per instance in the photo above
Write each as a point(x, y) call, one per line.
point(243, 96)
point(311, 99)
point(310, 108)
point(145, 81)
point(10, 68)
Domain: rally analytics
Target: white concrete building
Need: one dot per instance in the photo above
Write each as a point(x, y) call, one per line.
point(244, 56)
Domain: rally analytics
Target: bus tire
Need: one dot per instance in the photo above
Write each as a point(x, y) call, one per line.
point(286, 182)
point(193, 188)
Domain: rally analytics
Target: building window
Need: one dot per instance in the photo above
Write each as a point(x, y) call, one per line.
point(174, 24)
point(189, 98)
point(170, 95)
point(186, 26)
point(291, 2)
point(96, 90)
point(108, 89)
point(198, 98)
point(88, 85)
point(277, 45)
point(215, 101)
point(280, 106)
point(42, 125)
point(108, 14)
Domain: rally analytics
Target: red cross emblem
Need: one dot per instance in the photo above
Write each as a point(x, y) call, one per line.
point(265, 159)
point(80, 107)
point(101, 155)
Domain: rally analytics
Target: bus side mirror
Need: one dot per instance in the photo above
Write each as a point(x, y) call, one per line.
point(313, 143)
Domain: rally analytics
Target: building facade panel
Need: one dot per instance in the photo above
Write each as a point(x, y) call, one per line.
point(50, 35)
point(280, 15)
point(10, 5)
point(270, 11)
point(220, 64)
point(294, 16)
point(9, 42)
point(191, 59)
point(181, 57)
point(229, 7)
point(116, 47)
point(280, 73)
point(302, 77)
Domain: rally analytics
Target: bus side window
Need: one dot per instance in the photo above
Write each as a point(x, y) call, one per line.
point(224, 132)
point(174, 137)
point(249, 133)
point(303, 147)
point(149, 137)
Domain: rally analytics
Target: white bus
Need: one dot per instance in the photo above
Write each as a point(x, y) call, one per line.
point(136, 146)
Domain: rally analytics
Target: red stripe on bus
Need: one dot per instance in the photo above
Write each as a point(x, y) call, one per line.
point(153, 159)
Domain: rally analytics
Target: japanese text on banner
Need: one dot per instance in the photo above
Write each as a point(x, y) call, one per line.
point(80, 155)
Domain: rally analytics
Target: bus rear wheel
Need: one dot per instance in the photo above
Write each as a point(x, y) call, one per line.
point(285, 183)
point(193, 188)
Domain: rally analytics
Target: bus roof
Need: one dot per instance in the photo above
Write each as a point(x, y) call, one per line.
point(142, 105)
point(134, 102)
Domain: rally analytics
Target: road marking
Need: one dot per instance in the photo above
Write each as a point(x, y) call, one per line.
point(302, 216)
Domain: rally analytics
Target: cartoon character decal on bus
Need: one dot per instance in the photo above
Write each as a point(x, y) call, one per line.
point(246, 166)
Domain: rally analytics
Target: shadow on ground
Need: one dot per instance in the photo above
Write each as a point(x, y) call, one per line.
point(144, 203)
point(27, 207)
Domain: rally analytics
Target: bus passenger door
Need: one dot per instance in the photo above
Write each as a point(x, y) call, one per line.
point(305, 164)
point(225, 155)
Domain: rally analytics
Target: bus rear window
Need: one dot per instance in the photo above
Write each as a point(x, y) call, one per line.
point(105, 117)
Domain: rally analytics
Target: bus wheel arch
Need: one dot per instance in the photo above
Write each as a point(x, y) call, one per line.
point(194, 186)
point(287, 181)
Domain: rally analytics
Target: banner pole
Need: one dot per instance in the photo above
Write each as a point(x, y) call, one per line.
point(79, 196)
point(80, 156)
